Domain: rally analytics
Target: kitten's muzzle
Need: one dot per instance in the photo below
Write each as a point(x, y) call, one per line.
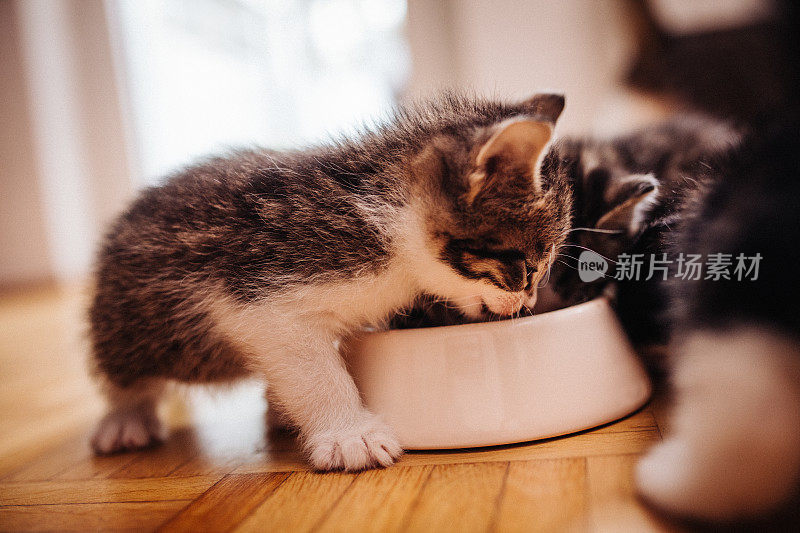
point(511, 303)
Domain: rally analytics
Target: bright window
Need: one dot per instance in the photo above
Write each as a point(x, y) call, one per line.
point(206, 75)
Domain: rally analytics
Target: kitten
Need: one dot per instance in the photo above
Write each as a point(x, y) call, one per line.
point(260, 262)
point(630, 195)
point(695, 185)
point(733, 447)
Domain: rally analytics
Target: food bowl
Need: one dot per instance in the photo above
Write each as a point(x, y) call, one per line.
point(494, 383)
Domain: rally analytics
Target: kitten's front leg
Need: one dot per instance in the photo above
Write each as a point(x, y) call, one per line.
point(276, 419)
point(309, 382)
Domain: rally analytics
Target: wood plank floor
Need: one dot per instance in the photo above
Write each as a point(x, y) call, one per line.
point(220, 470)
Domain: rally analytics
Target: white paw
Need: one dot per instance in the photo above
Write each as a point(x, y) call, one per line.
point(734, 447)
point(366, 445)
point(127, 430)
point(664, 477)
point(703, 480)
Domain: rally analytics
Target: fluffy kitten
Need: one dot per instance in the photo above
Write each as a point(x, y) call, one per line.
point(695, 185)
point(635, 189)
point(259, 263)
point(733, 447)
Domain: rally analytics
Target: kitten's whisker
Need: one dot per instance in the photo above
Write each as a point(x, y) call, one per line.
point(598, 230)
point(568, 265)
point(547, 278)
point(590, 250)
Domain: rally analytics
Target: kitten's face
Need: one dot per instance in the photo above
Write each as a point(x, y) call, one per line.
point(495, 224)
point(612, 206)
point(499, 272)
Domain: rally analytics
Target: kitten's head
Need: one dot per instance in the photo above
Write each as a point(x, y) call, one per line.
point(492, 221)
point(612, 207)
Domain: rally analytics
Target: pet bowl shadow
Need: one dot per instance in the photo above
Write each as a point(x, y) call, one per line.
point(495, 383)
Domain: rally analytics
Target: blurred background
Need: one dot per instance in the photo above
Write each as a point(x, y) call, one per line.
point(100, 98)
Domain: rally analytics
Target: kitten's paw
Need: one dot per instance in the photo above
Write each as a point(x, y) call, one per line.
point(127, 430)
point(664, 477)
point(366, 445)
point(687, 479)
point(734, 447)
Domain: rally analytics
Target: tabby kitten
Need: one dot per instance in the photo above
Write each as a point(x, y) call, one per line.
point(260, 262)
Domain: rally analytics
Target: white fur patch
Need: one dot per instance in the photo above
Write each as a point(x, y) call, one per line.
point(291, 340)
point(734, 446)
point(369, 443)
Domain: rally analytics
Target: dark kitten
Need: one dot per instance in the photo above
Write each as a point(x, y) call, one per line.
point(734, 357)
point(697, 186)
point(260, 262)
point(734, 444)
point(635, 189)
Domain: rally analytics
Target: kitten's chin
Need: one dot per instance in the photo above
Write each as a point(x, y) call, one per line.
point(530, 301)
point(509, 304)
point(494, 306)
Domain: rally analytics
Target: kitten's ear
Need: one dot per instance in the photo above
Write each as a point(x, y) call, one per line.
point(635, 195)
point(516, 148)
point(546, 106)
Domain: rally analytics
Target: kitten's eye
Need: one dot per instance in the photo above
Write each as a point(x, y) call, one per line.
point(506, 268)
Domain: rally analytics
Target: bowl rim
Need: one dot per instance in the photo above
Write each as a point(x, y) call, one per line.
point(505, 322)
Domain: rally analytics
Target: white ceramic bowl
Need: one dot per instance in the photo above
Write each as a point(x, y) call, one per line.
point(500, 382)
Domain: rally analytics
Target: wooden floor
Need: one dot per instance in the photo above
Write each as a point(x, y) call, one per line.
point(220, 471)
